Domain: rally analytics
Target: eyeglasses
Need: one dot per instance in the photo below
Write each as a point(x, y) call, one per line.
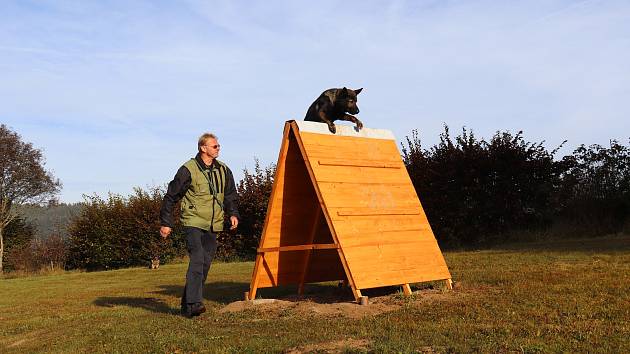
point(214, 146)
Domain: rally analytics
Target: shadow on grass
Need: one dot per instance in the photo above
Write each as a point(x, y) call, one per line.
point(145, 303)
point(607, 244)
point(325, 293)
point(222, 292)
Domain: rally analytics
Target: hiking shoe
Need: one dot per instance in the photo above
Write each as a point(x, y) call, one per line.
point(197, 309)
point(194, 309)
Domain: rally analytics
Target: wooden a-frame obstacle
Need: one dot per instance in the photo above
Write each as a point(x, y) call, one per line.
point(343, 207)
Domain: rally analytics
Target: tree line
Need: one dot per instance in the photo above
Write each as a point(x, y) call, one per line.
point(479, 192)
point(475, 192)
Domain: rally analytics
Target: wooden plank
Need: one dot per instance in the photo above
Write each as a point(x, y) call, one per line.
point(359, 175)
point(378, 212)
point(378, 226)
point(375, 153)
point(360, 163)
point(398, 254)
point(379, 242)
point(390, 259)
point(339, 195)
point(298, 248)
point(319, 145)
point(378, 222)
point(401, 275)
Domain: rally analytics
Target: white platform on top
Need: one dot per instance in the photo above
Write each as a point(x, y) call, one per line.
point(345, 130)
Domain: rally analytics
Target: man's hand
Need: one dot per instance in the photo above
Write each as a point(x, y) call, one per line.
point(234, 221)
point(165, 231)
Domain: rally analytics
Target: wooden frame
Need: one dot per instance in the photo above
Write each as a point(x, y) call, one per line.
point(343, 207)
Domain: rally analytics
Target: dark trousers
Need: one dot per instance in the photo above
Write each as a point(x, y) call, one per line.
point(202, 245)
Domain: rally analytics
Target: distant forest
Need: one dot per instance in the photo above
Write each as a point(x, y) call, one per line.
point(51, 219)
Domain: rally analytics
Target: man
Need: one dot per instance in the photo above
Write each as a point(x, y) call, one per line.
point(206, 187)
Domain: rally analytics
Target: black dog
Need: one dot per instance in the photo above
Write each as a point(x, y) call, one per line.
point(335, 104)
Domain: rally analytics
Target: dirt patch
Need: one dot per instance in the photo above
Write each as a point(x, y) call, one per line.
point(326, 306)
point(268, 305)
point(332, 347)
point(344, 309)
point(18, 343)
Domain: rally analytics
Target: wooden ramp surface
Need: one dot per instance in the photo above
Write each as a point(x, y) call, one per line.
point(343, 208)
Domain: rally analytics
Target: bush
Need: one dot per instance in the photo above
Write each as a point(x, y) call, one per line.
point(121, 232)
point(595, 193)
point(50, 254)
point(254, 191)
point(476, 192)
point(18, 235)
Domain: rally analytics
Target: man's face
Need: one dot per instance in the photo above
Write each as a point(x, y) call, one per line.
point(211, 148)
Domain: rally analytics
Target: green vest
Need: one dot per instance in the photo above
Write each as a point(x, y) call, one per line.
point(202, 205)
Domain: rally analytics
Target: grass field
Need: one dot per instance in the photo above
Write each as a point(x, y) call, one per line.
point(568, 296)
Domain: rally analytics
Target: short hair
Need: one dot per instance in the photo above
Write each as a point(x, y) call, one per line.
point(204, 138)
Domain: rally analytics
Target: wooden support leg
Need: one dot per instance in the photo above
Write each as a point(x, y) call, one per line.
point(357, 294)
point(364, 301)
point(260, 258)
point(247, 296)
point(448, 283)
point(307, 257)
point(406, 289)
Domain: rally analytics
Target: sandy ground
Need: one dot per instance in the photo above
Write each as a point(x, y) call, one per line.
point(330, 305)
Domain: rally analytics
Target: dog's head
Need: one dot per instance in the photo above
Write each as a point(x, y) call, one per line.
point(347, 99)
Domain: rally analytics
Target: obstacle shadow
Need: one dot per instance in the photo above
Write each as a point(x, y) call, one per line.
point(145, 303)
point(226, 292)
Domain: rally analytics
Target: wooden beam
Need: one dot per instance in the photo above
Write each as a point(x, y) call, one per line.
point(376, 212)
point(355, 163)
point(315, 246)
point(307, 257)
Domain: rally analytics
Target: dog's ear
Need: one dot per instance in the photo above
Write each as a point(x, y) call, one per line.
point(358, 91)
point(344, 92)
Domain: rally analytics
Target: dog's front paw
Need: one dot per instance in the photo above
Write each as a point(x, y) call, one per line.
point(359, 125)
point(332, 128)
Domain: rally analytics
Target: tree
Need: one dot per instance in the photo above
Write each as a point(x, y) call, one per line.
point(23, 178)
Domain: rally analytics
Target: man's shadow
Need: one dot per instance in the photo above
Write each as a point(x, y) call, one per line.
point(145, 303)
point(220, 292)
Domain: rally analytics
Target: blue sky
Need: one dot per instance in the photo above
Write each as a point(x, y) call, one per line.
point(117, 92)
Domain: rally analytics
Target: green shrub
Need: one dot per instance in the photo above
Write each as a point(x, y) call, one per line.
point(121, 232)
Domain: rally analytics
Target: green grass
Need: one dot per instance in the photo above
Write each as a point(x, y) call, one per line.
point(568, 296)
